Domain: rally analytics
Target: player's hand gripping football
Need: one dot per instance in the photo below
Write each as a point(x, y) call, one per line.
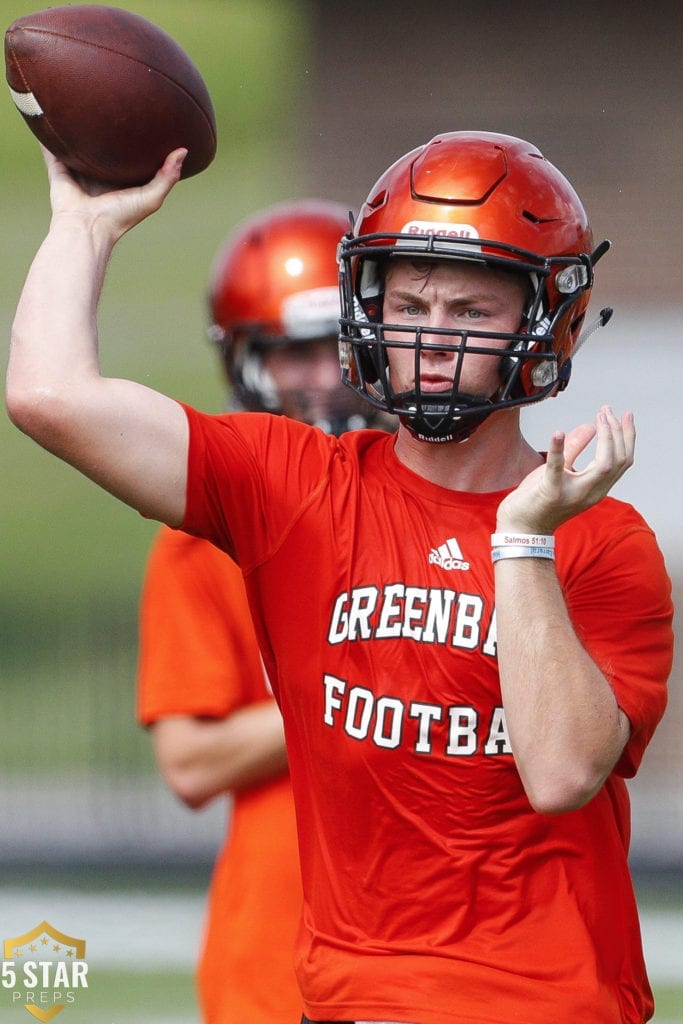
point(111, 212)
point(555, 492)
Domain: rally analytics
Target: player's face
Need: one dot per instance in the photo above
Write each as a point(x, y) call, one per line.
point(456, 296)
point(308, 380)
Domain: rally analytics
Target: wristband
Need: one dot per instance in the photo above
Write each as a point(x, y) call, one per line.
point(522, 539)
point(522, 551)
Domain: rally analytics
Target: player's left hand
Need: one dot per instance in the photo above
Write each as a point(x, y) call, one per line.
point(556, 491)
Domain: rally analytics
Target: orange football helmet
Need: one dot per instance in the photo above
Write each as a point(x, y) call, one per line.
point(487, 198)
point(275, 284)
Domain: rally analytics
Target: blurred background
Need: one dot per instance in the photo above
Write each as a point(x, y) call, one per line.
point(312, 99)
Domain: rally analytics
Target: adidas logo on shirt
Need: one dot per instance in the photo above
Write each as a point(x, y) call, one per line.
point(448, 555)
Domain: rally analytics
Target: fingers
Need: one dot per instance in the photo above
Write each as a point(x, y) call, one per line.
point(55, 167)
point(47, 156)
point(173, 164)
point(132, 205)
point(615, 442)
point(576, 442)
point(166, 177)
point(110, 210)
point(553, 493)
point(614, 452)
point(162, 182)
point(555, 458)
point(50, 159)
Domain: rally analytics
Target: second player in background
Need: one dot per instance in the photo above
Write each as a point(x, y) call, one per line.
point(216, 730)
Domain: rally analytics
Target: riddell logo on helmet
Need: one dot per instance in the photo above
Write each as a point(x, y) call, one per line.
point(443, 230)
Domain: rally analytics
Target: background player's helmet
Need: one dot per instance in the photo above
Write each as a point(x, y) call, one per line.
point(487, 198)
point(275, 283)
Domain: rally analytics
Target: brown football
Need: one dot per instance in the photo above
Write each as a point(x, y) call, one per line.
point(108, 92)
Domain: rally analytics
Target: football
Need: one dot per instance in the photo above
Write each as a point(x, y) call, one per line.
point(108, 92)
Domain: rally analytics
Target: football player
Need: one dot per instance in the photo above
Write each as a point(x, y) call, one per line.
point(468, 639)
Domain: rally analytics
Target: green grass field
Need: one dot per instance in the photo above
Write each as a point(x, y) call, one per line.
point(669, 1003)
point(164, 997)
point(167, 997)
point(126, 997)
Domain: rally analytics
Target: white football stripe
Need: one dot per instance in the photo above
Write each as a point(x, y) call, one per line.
point(26, 103)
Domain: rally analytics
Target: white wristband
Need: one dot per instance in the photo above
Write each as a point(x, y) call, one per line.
point(522, 539)
point(512, 551)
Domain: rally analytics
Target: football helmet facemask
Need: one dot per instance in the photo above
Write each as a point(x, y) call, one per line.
point(275, 285)
point(493, 200)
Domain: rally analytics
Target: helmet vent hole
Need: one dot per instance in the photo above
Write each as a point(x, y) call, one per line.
point(377, 200)
point(537, 220)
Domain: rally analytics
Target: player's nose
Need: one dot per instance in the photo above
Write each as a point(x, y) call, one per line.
point(437, 345)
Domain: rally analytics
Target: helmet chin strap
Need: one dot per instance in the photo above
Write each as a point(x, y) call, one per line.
point(340, 424)
point(457, 432)
point(440, 424)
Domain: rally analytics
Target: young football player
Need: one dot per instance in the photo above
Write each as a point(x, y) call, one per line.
point(468, 639)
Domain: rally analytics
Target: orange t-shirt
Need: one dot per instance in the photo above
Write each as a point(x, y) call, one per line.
point(199, 657)
point(433, 892)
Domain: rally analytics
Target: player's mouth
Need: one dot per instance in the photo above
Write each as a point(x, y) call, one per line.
point(431, 383)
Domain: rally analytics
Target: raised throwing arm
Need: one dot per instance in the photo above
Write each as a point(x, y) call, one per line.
point(127, 438)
